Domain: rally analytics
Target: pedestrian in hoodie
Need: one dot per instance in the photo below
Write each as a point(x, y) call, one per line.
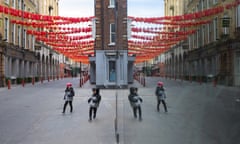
point(135, 102)
point(68, 97)
point(94, 102)
point(161, 96)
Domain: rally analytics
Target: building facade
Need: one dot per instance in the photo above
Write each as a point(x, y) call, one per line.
point(21, 57)
point(111, 66)
point(213, 50)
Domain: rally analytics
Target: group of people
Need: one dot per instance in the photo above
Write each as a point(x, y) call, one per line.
point(135, 100)
point(93, 101)
point(133, 97)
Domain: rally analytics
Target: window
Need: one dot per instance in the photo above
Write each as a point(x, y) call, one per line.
point(208, 33)
point(19, 36)
point(112, 34)
point(6, 25)
point(19, 5)
point(215, 1)
point(13, 4)
point(13, 33)
point(7, 1)
point(215, 28)
point(24, 38)
point(238, 16)
point(111, 3)
point(203, 36)
point(211, 32)
point(207, 4)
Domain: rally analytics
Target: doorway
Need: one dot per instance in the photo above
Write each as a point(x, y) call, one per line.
point(112, 71)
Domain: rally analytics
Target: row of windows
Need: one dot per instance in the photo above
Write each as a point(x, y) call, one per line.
point(18, 35)
point(203, 4)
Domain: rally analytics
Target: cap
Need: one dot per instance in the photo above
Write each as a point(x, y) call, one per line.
point(69, 84)
point(160, 83)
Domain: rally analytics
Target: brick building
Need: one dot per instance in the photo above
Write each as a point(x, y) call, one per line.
point(111, 66)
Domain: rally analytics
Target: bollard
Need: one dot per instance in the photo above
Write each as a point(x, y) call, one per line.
point(48, 79)
point(144, 82)
point(41, 79)
point(214, 83)
point(190, 79)
point(23, 82)
point(80, 85)
point(9, 84)
point(33, 80)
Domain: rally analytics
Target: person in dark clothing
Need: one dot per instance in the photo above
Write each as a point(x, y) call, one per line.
point(161, 96)
point(135, 102)
point(68, 97)
point(94, 102)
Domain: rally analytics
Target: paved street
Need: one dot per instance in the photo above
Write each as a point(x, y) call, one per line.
point(198, 114)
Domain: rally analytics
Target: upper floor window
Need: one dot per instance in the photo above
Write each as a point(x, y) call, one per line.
point(238, 16)
point(13, 4)
point(215, 28)
point(19, 4)
point(13, 33)
point(111, 3)
point(7, 1)
point(215, 1)
point(112, 33)
point(6, 28)
point(19, 35)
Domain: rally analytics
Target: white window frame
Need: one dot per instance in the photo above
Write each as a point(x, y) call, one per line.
point(33, 42)
point(13, 33)
point(6, 29)
point(112, 33)
point(19, 35)
point(6, 1)
point(19, 5)
point(112, 3)
point(14, 3)
point(25, 38)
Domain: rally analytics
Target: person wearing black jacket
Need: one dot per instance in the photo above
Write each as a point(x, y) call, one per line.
point(94, 102)
point(161, 96)
point(135, 102)
point(68, 97)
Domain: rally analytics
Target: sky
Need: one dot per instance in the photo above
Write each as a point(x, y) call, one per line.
point(136, 8)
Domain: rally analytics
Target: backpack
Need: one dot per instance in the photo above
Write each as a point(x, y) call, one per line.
point(160, 92)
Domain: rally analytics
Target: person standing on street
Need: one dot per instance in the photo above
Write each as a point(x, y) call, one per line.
point(94, 102)
point(135, 102)
point(68, 97)
point(161, 96)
